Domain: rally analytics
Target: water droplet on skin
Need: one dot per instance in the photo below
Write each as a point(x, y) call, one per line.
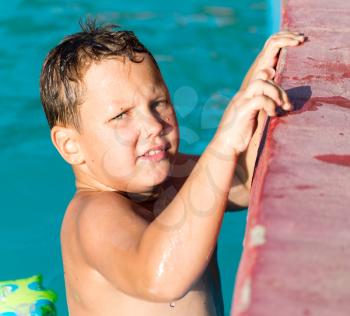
point(172, 304)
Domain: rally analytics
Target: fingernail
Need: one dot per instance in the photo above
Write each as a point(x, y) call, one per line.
point(287, 106)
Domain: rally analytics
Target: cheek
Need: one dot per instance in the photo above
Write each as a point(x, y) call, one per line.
point(174, 139)
point(170, 120)
point(174, 126)
point(111, 154)
point(120, 154)
point(124, 138)
point(117, 164)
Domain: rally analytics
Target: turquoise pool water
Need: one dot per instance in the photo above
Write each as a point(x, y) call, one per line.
point(204, 48)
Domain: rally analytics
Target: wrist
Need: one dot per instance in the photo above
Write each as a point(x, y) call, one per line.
point(222, 146)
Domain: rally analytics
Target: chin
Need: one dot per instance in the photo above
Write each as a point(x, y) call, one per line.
point(159, 179)
point(159, 174)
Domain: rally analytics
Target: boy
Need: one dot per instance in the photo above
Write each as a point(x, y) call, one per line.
point(139, 235)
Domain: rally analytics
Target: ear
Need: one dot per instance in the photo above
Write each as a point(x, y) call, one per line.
point(65, 140)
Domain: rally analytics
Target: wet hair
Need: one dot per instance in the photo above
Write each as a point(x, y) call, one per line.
point(61, 79)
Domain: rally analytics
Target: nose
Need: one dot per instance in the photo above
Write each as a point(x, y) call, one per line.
point(150, 124)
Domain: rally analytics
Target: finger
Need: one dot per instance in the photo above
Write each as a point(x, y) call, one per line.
point(265, 74)
point(281, 42)
point(282, 33)
point(262, 102)
point(286, 104)
point(298, 37)
point(262, 87)
point(275, 44)
point(271, 90)
point(287, 32)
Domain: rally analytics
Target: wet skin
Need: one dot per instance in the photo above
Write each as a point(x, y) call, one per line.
point(126, 111)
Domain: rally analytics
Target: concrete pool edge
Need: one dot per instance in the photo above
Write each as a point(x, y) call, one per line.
point(296, 244)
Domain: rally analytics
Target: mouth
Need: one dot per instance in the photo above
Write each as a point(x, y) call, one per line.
point(156, 153)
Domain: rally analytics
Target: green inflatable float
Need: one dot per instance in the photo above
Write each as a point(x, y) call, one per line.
point(26, 297)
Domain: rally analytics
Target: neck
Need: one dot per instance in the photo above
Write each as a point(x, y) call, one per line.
point(87, 184)
point(149, 196)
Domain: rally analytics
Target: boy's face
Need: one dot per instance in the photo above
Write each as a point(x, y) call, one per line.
point(126, 112)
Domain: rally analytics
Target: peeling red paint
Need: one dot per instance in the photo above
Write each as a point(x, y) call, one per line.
point(319, 101)
point(341, 160)
point(327, 77)
point(275, 196)
point(309, 77)
point(335, 67)
point(305, 187)
point(299, 195)
point(315, 102)
point(274, 122)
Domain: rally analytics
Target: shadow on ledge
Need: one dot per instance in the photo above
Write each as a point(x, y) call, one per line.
point(298, 96)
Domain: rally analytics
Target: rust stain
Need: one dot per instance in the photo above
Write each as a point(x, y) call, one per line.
point(329, 77)
point(341, 160)
point(302, 187)
point(274, 122)
point(335, 67)
point(314, 103)
point(309, 77)
point(346, 74)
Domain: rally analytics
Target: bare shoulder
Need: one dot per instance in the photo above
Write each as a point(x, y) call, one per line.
point(97, 215)
point(102, 231)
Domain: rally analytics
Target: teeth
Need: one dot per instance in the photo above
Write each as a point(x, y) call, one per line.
point(153, 152)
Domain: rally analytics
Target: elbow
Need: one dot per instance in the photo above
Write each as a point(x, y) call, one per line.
point(165, 294)
point(238, 199)
point(161, 291)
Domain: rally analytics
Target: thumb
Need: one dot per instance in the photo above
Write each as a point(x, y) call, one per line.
point(265, 74)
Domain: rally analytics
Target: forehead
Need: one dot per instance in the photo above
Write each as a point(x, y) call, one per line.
point(123, 79)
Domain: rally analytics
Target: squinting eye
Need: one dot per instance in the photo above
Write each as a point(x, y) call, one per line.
point(120, 116)
point(158, 104)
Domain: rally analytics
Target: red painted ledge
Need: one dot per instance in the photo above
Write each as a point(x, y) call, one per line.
point(296, 258)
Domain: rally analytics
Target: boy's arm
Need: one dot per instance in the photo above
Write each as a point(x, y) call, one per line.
point(240, 191)
point(262, 68)
point(161, 260)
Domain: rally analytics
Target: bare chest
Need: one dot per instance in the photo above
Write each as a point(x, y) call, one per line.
point(102, 299)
